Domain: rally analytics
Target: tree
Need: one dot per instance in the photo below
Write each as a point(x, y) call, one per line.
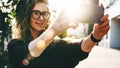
point(7, 13)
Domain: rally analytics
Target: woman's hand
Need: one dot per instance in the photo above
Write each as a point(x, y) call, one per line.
point(100, 30)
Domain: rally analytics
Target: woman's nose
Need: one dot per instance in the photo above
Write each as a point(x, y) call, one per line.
point(41, 18)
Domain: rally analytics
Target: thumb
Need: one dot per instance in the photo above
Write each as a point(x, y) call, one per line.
point(101, 4)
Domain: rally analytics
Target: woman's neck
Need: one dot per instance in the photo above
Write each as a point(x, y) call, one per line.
point(34, 33)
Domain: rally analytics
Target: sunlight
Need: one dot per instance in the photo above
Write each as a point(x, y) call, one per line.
point(0, 4)
point(74, 11)
point(71, 8)
point(78, 10)
point(56, 6)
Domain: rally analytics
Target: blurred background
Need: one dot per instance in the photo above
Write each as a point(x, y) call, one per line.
point(105, 55)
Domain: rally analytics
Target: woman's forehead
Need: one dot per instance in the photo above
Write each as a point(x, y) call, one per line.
point(41, 7)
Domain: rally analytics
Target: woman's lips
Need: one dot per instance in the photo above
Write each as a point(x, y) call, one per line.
point(40, 23)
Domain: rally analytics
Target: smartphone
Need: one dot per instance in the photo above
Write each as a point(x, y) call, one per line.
point(86, 13)
point(91, 14)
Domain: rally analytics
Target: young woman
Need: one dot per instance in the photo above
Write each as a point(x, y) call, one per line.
point(34, 44)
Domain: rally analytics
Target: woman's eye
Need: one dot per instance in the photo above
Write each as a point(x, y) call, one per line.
point(46, 15)
point(36, 13)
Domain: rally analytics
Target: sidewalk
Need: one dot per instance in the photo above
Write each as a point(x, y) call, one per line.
point(101, 57)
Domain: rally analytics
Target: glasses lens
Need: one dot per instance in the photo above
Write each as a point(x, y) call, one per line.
point(46, 15)
point(36, 14)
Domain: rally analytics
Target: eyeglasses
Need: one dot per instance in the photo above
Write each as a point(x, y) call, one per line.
point(36, 14)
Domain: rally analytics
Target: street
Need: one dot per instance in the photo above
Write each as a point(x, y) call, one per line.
point(101, 57)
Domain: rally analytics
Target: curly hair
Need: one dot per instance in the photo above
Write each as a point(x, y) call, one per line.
point(23, 14)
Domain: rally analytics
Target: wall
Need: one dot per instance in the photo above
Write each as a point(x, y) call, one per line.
point(115, 34)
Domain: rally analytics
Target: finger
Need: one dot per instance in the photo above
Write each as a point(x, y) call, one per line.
point(105, 24)
point(100, 4)
point(105, 29)
point(104, 17)
point(98, 26)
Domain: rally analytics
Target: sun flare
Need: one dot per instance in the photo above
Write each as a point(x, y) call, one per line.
point(72, 8)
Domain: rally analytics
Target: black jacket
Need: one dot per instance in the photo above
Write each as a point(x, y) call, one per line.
point(59, 54)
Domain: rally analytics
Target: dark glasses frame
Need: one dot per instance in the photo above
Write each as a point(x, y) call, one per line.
point(45, 15)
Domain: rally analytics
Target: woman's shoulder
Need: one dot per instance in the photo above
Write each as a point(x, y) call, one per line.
point(13, 42)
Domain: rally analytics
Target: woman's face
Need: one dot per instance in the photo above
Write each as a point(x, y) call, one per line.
point(40, 15)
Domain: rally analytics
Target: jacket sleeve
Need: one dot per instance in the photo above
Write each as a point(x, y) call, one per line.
point(17, 51)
